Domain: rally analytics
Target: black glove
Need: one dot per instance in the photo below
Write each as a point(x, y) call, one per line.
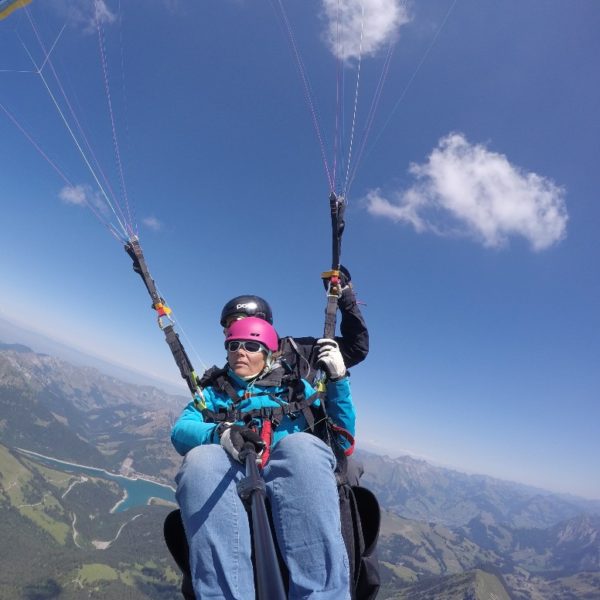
point(345, 279)
point(233, 438)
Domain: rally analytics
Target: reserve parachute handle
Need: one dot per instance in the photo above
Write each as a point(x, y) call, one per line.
point(165, 321)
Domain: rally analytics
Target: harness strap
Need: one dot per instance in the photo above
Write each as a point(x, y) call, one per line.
point(165, 322)
point(266, 435)
point(346, 435)
point(270, 413)
point(300, 358)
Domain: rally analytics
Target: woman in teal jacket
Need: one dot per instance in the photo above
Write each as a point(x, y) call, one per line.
point(240, 407)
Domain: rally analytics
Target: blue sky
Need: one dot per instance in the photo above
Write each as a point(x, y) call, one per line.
point(471, 223)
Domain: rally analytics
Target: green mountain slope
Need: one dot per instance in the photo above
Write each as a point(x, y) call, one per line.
point(474, 585)
point(68, 545)
point(80, 415)
point(558, 563)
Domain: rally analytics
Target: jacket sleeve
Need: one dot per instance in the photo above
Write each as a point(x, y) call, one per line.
point(339, 405)
point(354, 342)
point(190, 430)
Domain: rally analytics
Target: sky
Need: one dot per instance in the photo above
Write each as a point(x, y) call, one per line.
point(463, 133)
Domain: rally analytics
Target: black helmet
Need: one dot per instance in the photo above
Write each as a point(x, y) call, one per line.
point(249, 306)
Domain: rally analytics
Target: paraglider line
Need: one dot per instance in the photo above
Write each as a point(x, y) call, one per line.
point(78, 145)
point(132, 212)
point(13, 71)
point(345, 189)
point(338, 101)
point(307, 93)
point(35, 145)
point(51, 48)
point(415, 73)
point(28, 136)
point(71, 109)
point(371, 115)
point(69, 129)
point(112, 118)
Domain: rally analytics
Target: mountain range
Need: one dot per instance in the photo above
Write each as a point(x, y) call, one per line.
point(445, 534)
point(415, 489)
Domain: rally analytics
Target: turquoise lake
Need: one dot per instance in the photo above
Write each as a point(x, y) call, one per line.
point(139, 491)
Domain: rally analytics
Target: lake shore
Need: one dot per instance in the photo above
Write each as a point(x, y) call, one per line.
point(137, 477)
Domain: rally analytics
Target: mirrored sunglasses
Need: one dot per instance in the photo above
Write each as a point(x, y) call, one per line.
point(248, 346)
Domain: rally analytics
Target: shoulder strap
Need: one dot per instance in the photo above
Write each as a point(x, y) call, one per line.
point(210, 375)
point(301, 369)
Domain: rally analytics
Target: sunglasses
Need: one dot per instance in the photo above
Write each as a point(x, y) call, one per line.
point(248, 346)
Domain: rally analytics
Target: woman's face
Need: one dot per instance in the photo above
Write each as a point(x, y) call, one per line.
point(244, 363)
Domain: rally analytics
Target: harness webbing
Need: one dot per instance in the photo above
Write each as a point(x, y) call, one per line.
point(297, 403)
point(165, 322)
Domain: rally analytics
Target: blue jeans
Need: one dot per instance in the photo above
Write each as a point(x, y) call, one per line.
point(304, 501)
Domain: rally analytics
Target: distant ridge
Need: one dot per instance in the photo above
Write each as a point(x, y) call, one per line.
point(16, 348)
point(415, 489)
point(13, 334)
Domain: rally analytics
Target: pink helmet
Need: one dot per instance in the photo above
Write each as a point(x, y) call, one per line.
point(253, 329)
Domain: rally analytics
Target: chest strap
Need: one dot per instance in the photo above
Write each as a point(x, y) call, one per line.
point(275, 414)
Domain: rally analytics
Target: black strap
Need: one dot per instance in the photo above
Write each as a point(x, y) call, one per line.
point(297, 401)
point(133, 248)
point(338, 224)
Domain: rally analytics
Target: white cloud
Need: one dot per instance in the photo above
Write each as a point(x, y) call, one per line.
point(83, 195)
point(102, 12)
point(466, 189)
point(377, 21)
point(152, 223)
point(84, 14)
point(75, 194)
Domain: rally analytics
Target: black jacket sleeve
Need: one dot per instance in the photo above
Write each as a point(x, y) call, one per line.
point(354, 342)
point(300, 352)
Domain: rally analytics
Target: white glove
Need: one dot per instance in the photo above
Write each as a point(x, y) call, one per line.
point(329, 358)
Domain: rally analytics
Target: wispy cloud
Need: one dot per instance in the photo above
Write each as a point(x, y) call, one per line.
point(83, 195)
point(362, 26)
point(102, 12)
point(466, 189)
point(152, 223)
point(85, 14)
point(73, 195)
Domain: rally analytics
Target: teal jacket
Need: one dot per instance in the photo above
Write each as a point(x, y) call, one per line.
point(191, 430)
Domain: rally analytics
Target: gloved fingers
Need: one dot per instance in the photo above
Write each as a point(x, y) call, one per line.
point(326, 348)
point(254, 438)
point(233, 438)
point(232, 442)
point(326, 343)
point(331, 359)
point(327, 355)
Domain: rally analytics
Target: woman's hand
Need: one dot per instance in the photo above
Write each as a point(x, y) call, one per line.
point(233, 438)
